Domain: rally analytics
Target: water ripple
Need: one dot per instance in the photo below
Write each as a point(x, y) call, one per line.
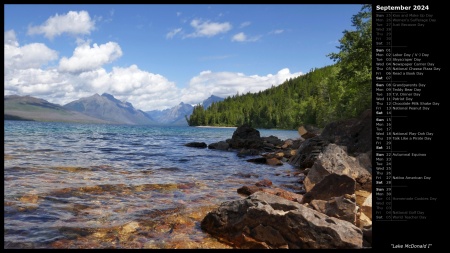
point(111, 186)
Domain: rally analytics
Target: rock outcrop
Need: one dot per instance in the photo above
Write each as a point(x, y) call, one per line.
point(307, 153)
point(336, 207)
point(267, 221)
point(245, 137)
point(355, 134)
point(332, 185)
point(334, 160)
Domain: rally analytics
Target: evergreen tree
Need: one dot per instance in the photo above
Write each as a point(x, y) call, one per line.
point(319, 97)
point(355, 61)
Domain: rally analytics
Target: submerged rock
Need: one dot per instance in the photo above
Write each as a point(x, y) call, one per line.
point(221, 145)
point(196, 144)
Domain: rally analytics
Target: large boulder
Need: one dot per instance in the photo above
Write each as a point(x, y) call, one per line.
point(332, 185)
point(307, 153)
point(264, 220)
point(355, 134)
point(342, 208)
point(246, 137)
point(334, 159)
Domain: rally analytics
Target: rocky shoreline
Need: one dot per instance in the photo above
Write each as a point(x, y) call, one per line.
point(332, 207)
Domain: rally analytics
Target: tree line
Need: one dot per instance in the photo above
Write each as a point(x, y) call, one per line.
point(323, 95)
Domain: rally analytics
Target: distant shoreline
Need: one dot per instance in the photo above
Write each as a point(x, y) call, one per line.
point(214, 127)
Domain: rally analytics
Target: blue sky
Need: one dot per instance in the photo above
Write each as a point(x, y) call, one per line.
point(156, 56)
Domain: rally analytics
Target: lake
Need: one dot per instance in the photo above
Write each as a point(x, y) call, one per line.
point(120, 186)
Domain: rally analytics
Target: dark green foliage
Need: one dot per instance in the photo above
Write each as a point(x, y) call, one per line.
point(355, 61)
point(323, 95)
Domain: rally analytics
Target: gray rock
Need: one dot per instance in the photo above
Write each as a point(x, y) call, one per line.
point(355, 134)
point(273, 140)
point(196, 144)
point(307, 153)
point(221, 145)
point(334, 159)
point(314, 176)
point(246, 137)
point(275, 222)
point(248, 189)
point(365, 160)
point(332, 185)
point(341, 208)
point(248, 152)
point(318, 205)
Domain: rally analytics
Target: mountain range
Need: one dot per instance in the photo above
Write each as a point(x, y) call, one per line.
point(177, 114)
point(96, 109)
point(212, 99)
point(36, 109)
point(173, 116)
point(108, 108)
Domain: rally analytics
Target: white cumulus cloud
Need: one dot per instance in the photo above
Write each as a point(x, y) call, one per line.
point(10, 38)
point(208, 29)
point(241, 37)
point(73, 23)
point(145, 90)
point(29, 70)
point(32, 55)
point(82, 75)
point(86, 58)
point(36, 82)
point(224, 84)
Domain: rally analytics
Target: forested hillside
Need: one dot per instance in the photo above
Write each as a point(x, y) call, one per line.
point(323, 95)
